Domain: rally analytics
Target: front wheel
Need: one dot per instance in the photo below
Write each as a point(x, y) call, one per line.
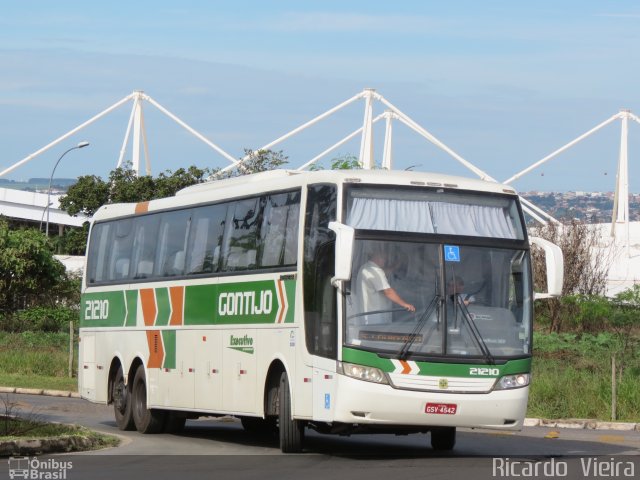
point(146, 420)
point(121, 395)
point(443, 438)
point(291, 431)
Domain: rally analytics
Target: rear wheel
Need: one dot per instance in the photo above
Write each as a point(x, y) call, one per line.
point(121, 396)
point(443, 438)
point(146, 420)
point(291, 431)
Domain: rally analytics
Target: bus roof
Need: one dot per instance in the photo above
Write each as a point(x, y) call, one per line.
point(217, 190)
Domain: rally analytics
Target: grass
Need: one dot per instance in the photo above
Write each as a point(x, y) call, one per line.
point(572, 378)
point(36, 360)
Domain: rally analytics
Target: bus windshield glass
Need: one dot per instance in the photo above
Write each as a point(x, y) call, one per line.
point(433, 299)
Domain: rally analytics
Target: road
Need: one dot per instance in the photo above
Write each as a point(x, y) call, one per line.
point(222, 449)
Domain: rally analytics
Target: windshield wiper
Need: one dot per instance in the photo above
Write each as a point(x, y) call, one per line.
point(403, 353)
point(473, 328)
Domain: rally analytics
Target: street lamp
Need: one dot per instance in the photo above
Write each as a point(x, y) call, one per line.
point(79, 145)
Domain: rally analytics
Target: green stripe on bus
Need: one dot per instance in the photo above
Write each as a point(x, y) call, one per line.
point(104, 309)
point(132, 308)
point(169, 342)
point(290, 292)
point(237, 303)
point(371, 359)
point(164, 307)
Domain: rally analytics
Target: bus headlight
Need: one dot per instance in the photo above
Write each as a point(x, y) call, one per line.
point(513, 381)
point(360, 372)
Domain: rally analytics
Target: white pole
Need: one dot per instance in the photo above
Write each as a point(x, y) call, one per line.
point(530, 207)
point(337, 145)
point(387, 153)
point(313, 121)
point(126, 135)
point(621, 198)
point(145, 144)
point(137, 124)
point(191, 130)
point(366, 145)
point(562, 149)
point(65, 136)
point(297, 130)
point(413, 125)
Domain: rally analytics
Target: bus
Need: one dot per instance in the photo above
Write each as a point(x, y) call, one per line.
point(247, 297)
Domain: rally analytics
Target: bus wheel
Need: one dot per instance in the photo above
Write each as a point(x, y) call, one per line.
point(443, 438)
point(122, 403)
point(291, 431)
point(146, 420)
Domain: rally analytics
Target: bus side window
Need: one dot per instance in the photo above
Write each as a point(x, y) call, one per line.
point(120, 261)
point(97, 270)
point(205, 238)
point(279, 231)
point(174, 230)
point(320, 303)
point(239, 249)
point(144, 245)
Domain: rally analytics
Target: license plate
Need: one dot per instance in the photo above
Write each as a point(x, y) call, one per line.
point(441, 408)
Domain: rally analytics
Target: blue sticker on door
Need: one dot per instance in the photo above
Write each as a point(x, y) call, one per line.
point(327, 401)
point(451, 253)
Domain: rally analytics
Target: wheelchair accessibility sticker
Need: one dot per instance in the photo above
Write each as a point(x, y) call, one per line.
point(451, 253)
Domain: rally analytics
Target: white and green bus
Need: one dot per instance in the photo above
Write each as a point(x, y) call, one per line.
point(243, 297)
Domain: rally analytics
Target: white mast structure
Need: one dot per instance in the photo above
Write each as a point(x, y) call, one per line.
point(620, 216)
point(366, 158)
point(136, 123)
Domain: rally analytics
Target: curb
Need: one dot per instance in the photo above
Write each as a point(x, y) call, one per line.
point(576, 424)
point(40, 391)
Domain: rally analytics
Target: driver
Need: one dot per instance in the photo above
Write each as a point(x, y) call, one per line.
point(373, 290)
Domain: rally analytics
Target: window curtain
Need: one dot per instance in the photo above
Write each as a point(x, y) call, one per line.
point(430, 217)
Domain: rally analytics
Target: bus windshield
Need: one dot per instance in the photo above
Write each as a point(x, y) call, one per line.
point(469, 301)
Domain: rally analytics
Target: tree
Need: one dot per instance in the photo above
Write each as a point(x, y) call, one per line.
point(259, 161)
point(347, 161)
point(90, 192)
point(585, 266)
point(28, 270)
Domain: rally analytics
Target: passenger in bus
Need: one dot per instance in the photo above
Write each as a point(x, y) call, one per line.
point(373, 291)
point(455, 287)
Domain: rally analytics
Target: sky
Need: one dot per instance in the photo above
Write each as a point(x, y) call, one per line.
point(501, 83)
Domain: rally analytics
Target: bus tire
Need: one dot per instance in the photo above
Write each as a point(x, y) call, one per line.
point(121, 395)
point(291, 431)
point(443, 438)
point(146, 420)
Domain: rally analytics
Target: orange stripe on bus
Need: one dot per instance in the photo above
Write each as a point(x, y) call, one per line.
point(406, 367)
point(156, 351)
point(177, 303)
point(149, 309)
point(282, 302)
point(142, 207)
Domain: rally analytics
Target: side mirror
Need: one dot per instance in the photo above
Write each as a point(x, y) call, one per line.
point(344, 251)
point(554, 261)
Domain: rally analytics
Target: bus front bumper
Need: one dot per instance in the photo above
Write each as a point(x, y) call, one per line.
point(361, 402)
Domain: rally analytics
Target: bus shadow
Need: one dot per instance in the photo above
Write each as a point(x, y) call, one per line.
point(416, 446)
